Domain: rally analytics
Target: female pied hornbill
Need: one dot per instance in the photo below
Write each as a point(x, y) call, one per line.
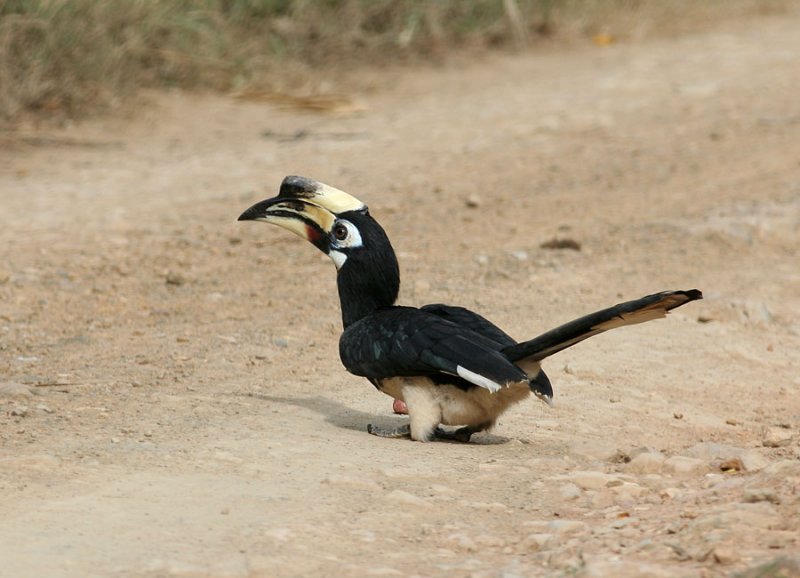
point(450, 365)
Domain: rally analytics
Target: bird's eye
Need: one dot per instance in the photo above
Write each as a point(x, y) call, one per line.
point(340, 232)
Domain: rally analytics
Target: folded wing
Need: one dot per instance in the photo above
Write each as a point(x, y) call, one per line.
point(403, 341)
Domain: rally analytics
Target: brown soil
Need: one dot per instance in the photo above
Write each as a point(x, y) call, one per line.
point(183, 411)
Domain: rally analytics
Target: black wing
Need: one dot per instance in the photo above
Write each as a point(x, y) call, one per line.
point(403, 341)
point(628, 313)
point(472, 321)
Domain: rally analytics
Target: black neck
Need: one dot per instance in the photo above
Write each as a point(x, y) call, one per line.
point(362, 291)
point(369, 278)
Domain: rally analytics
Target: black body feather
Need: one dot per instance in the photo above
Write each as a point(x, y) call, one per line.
point(404, 341)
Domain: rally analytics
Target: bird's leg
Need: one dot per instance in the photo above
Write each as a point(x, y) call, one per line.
point(398, 432)
point(424, 415)
point(462, 434)
point(424, 412)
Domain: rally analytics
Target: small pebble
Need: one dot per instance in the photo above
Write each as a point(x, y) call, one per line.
point(13, 389)
point(590, 480)
point(407, 499)
point(384, 571)
point(781, 539)
point(489, 541)
point(536, 542)
point(175, 279)
point(561, 243)
point(724, 554)
point(684, 466)
point(753, 461)
point(472, 201)
point(624, 522)
point(359, 483)
point(566, 526)
point(646, 463)
point(570, 492)
point(670, 493)
point(775, 437)
point(461, 542)
point(752, 495)
point(732, 465)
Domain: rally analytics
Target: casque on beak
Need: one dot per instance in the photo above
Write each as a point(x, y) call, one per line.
point(305, 207)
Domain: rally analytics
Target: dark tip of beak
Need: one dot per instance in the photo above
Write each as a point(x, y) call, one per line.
point(259, 210)
point(248, 215)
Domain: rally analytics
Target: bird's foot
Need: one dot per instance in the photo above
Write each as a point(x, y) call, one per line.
point(462, 434)
point(400, 407)
point(399, 432)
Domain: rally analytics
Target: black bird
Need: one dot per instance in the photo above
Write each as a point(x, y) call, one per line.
point(450, 365)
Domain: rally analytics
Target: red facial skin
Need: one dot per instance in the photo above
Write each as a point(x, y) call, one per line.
point(313, 234)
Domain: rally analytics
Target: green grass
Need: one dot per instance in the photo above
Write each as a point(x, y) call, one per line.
point(74, 57)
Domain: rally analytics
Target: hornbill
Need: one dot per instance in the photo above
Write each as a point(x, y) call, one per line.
point(450, 365)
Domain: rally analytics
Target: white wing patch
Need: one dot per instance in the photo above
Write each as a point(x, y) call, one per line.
point(478, 379)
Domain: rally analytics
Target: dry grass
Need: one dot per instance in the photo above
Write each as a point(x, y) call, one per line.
point(72, 57)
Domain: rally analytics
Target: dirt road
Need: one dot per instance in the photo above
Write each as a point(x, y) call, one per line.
point(171, 399)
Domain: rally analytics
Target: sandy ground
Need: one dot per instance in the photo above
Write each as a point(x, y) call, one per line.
point(171, 399)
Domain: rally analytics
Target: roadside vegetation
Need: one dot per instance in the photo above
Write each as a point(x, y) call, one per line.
point(76, 57)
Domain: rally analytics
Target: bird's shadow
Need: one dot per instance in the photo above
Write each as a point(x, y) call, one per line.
point(334, 412)
point(345, 417)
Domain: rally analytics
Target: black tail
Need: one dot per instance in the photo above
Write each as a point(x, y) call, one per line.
point(629, 313)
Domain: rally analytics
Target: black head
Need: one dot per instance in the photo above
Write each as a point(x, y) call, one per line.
point(369, 275)
point(340, 226)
